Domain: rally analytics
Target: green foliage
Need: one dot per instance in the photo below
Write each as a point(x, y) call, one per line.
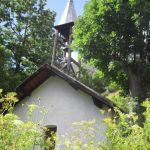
point(31, 109)
point(125, 103)
point(7, 102)
point(83, 137)
point(125, 133)
point(21, 135)
point(14, 133)
point(115, 34)
point(25, 41)
point(93, 78)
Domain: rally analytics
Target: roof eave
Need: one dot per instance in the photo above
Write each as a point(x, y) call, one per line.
point(43, 73)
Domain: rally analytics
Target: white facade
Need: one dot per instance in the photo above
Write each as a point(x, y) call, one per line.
point(65, 106)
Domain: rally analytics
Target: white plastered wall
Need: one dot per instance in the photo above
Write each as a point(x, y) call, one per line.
point(65, 106)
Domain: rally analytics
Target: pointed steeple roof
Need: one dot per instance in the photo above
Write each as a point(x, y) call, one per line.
point(69, 14)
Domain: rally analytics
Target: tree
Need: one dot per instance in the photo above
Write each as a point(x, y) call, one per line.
point(93, 78)
point(25, 41)
point(115, 34)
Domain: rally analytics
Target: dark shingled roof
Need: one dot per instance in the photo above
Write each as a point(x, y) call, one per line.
point(46, 71)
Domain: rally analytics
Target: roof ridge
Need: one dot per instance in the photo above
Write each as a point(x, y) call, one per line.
point(76, 81)
point(44, 72)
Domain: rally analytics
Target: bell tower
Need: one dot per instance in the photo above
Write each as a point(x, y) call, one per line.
point(62, 41)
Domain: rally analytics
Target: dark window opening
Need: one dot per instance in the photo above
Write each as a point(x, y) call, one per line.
point(50, 136)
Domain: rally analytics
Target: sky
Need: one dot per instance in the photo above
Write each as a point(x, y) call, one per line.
point(59, 5)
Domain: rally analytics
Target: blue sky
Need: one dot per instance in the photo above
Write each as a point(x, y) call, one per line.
point(59, 5)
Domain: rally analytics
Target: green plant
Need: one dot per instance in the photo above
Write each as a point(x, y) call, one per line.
point(127, 103)
point(14, 133)
point(114, 34)
point(83, 137)
point(26, 39)
point(123, 131)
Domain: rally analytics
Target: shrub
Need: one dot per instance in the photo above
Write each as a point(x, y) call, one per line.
point(123, 131)
point(14, 133)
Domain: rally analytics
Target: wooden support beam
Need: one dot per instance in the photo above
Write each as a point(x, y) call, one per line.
point(74, 72)
point(65, 66)
point(55, 47)
point(75, 62)
point(60, 42)
point(69, 52)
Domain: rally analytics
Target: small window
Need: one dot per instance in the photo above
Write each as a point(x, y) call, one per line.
point(50, 135)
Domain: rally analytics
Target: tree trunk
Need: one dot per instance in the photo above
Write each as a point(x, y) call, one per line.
point(134, 84)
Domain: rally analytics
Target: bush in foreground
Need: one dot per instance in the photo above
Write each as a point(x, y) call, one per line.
point(123, 131)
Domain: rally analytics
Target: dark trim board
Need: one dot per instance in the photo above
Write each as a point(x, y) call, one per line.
point(98, 103)
point(46, 71)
